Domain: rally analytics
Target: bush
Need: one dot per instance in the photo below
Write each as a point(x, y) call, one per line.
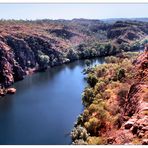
point(79, 142)
point(125, 46)
point(43, 59)
point(100, 71)
point(87, 96)
point(92, 125)
point(99, 87)
point(92, 80)
point(136, 46)
point(121, 74)
point(122, 94)
point(79, 132)
point(79, 120)
point(95, 140)
point(87, 62)
point(72, 54)
point(92, 108)
point(111, 59)
point(106, 94)
point(85, 115)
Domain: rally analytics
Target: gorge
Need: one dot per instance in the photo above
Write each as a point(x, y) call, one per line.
point(46, 104)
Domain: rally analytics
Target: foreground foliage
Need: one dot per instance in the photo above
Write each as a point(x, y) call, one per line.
point(104, 99)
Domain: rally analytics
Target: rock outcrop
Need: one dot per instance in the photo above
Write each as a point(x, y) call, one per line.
point(11, 90)
point(135, 130)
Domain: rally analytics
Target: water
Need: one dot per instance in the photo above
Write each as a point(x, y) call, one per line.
point(45, 106)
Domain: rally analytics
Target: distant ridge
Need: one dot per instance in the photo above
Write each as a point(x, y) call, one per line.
point(113, 20)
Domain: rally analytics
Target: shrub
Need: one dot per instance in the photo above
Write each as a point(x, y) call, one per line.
point(85, 115)
point(72, 55)
point(101, 71)
point(92, 80)
point(122, 94)
point(79, 142)
point(79, 132)
point(101, 112)
point(87, 96)
point(111, 59)
point(98, 97)
point(92, 125)
point(87, 62)
point(92, 108)
point(43, 59)
point(106, 94)
point(125, 46)
point(136, 46)
point(80, 120)
point(95, 140)
point(99, 87)
point(121, 74)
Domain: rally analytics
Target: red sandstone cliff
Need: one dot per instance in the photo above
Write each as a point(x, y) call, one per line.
point(135, 130)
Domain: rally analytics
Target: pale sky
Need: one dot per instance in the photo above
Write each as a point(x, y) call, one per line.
point(70, 11)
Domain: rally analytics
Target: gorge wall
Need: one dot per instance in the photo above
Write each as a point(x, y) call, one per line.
point(28, 46)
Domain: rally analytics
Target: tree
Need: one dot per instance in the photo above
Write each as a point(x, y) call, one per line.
point(121, 74)
point(72, 54)
point(87, 96)
point(92, 80)
point(43, 60)
point(78, 133)
point(92, 125)
point(87, 62)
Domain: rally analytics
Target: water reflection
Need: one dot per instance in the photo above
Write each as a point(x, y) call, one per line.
point(45, 106)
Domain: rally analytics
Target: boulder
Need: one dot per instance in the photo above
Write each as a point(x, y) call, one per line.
point(11, 90)
point(135, 129)
point(140, 135)
point(145, 128)
point(128, 124)
point(145, 142)
point(2, 93)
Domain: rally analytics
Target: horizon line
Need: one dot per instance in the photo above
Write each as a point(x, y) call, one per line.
point(5, 19)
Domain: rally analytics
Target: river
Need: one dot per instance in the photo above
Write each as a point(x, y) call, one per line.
point(45, 106)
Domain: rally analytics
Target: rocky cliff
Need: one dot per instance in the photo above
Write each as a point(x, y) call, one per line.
point(28, 46)
point(135, 129)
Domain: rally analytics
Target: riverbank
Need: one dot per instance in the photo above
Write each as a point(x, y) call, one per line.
point(29, 71)
point(115, 102)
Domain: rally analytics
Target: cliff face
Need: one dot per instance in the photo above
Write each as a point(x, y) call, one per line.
point(135, 130)
point(10, 71)
point(29, 46)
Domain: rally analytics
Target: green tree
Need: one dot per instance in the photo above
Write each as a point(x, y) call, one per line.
point(72, 54)
point(87, 62)
point(43, 60)
point(92, 80)
point(121, 74)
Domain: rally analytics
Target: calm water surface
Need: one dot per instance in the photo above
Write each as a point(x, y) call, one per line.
point(45, 106)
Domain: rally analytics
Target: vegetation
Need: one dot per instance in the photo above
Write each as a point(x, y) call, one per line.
point(43, 59)
point(105, 97)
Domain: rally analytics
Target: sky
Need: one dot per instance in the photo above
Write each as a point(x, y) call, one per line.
point(70, 11)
